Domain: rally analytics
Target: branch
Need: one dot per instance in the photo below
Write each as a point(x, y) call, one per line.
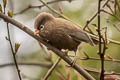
point(109, 58)
point(40, 6)
point(98, 72)
point(13, 54)
point(10, 42)
point(48, 65)
point(55, 50)
point(114, 25)
point(93, 17)
point(101, 54)
point(45, 65)
point(51, 69)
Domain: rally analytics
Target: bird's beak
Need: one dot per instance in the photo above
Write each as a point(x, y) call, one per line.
point(36, 32)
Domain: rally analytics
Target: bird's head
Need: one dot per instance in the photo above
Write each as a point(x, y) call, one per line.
point(40, 20)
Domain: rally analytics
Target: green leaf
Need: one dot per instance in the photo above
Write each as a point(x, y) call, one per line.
point(17, 45)
point(10, 13)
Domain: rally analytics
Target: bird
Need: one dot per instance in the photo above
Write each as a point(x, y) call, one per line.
point(59, 32)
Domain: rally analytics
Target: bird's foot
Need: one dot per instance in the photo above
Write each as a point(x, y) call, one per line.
point(65, 51)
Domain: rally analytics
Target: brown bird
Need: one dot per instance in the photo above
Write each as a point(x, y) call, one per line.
point(59, 32)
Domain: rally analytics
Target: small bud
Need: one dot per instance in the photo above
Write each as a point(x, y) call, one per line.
point(10, 13)
point(17, 45)
point(0, 8)
point(4, 3)
point(6, 38)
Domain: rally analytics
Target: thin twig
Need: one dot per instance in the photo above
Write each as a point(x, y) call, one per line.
point(93, 17)
point(60, 7)
point(14, 57)
point(51, 69)
point(48, 65)
point(118, 4)
point(109, 7)
point(103, 10)
point(115, 5)
point(117, 28)
point(40, 6)
point(55, 50)
point(100, 43)
point(10, 42)
point(98, 72)
point(105, 3)
point(114, 25)
point(41, 64)
point(109, 58)
point(99, 29)
point(114, 41)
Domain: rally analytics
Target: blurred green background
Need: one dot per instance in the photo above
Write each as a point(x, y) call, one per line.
point(30, 52)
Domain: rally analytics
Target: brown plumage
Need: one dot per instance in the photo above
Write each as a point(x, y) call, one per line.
point(59, 32)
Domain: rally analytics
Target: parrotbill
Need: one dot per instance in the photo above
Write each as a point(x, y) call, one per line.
point(60, 33)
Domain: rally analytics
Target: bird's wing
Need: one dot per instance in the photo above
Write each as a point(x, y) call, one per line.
point(79, 36)
point(74, 31)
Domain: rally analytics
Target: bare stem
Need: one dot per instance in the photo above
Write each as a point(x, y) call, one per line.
point(93, 17)
point(100, 43)
point(52, 69)
point(40, 64)
point(10, 42)
point(109, 58)
point(14, 57)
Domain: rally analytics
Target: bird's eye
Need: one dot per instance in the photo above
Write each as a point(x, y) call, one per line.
point(41, 27)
